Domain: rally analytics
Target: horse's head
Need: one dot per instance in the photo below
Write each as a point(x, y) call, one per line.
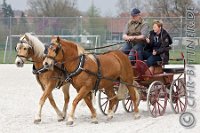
point(54, 53)
point(24, 51)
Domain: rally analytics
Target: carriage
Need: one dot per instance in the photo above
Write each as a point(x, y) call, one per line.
point(167, 85)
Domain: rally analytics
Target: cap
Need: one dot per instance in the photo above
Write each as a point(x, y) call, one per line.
point(135, 12)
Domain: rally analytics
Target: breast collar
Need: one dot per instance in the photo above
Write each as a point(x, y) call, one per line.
point(78, 70)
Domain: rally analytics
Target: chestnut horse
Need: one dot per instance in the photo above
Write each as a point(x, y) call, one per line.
point(112, 65)
point(30, 46)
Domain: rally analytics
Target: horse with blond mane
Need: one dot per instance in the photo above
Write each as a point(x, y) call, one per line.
point(85, 73)
point(30, 46)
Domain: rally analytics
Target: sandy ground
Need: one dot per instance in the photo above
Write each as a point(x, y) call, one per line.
point(19, 98)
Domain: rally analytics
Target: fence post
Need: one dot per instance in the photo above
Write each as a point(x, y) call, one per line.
point(10, 32)
point(181, 17)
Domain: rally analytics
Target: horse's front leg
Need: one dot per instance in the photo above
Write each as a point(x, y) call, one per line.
point(60, 115)
point(88, 101)
point(41, 103)
point(82, 93)
point(65, 90)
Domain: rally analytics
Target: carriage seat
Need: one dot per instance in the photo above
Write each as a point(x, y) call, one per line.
point(174, 70)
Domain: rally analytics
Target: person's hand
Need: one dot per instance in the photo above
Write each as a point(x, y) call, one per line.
point(126, 38)
point(147, 40)
point(132, 37)
point(129, 38)
point(154, 52)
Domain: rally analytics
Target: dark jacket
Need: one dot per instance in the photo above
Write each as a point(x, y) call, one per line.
point(160, 43)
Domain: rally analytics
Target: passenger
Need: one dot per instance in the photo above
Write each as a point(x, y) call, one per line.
point(158, 46)
point(135, 33)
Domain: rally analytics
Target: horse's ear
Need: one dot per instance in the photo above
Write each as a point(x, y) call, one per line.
point(58, 39)
point(26, 36)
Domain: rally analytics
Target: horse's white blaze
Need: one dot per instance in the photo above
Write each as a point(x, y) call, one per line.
point(19, 61)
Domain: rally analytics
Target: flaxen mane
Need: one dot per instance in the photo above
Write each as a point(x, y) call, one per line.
point(36, 44)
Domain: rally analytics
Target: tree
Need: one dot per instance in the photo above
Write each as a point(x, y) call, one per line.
point(53, 8)
point(125, 6)
point(168, 8)
point(95, 24)
point(7, 10)
point(93, 11)
point(22, 24)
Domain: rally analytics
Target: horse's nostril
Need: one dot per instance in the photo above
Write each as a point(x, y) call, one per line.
point(46, 64)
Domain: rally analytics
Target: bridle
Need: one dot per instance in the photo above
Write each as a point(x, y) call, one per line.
point(22, 56)
point(58, 48)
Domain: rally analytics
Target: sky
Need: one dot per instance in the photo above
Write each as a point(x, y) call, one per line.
point(106, 7)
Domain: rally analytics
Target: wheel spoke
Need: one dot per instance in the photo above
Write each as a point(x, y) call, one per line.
point(104, 98)
point(129, 107)
point(160, 105)
point(177, 106)
point(127, 102)
point(152, 110)
point(105, 103)
point(155, 109)
point(182, 105)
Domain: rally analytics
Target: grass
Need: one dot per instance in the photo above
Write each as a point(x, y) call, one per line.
point(10, 58)
point(177, 54)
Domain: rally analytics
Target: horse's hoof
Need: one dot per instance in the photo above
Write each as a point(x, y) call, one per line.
point(109, 118)
point(70, 123)
point(61, 119)
point(95, 122)
point(37, 121)
point(137, 116)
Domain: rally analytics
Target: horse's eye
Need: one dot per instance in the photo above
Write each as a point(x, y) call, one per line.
point(54, 50)
point(25, 48)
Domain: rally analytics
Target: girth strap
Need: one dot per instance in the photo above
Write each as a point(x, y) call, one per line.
point(99, 75)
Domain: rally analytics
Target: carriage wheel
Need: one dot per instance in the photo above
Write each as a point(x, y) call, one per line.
point(128, 104)
point(104, 102)
point(157, 98)
point(178, 96)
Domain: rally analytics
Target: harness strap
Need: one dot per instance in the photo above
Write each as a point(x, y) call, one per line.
point(78, 70)
point(39, 71)
point(99, 75)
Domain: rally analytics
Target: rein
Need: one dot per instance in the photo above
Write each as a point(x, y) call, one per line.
point(26, 59)
point(106, 46)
